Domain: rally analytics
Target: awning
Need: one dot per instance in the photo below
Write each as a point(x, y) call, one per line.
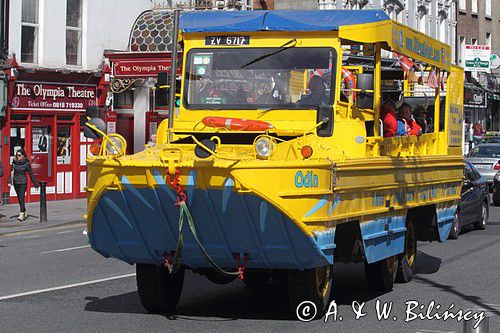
point(277, 20)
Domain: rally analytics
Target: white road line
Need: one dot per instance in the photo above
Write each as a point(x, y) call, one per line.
point(63, 232)
point(39, 291)
point(35, 236)
point(66, 249)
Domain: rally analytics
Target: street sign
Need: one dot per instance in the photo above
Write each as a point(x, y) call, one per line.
point(494, 61)
point(477, 58)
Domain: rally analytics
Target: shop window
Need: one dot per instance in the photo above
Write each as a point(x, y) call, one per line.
point(124, 100)
point(64, 117)
point(17, 140)
point(74, 32)
point(29, 31)
point(63, 145)
point(18, 116)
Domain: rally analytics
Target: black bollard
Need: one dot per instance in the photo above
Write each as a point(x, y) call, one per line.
point(43, 202)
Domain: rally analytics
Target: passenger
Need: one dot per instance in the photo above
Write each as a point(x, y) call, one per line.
point(415, 128)
point(421, 118)
point(389, 119)
point(317, 95)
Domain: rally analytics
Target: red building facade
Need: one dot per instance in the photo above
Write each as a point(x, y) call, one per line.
point(45, 116)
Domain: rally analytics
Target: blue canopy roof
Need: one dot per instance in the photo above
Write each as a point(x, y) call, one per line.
point(276, 20)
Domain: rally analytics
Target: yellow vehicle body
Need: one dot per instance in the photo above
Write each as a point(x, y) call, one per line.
point(285, 211)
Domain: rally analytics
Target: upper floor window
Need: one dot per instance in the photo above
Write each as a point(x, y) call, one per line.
point(488, 39)
point(487, 5)
point(124, 100)
point(74, 32)
point(474, 6)
point(462, 5)
point(29, 31)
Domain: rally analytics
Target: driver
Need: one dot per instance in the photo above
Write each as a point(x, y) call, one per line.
point(317, 96)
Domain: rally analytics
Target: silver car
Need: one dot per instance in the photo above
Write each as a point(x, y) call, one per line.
point(486, 159)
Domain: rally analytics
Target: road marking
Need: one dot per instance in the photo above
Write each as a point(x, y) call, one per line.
point(63, 232)
point(34, 236)
point(66, 249)
point(39, 291)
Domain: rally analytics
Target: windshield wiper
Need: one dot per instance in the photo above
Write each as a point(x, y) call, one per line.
point(282, 48)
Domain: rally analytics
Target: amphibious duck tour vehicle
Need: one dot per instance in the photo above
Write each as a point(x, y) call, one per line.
point(275, 165)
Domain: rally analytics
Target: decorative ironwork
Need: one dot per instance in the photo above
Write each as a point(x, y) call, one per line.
point(120, 85)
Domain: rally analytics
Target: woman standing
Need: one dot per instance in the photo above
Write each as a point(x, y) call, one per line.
point(20, 166)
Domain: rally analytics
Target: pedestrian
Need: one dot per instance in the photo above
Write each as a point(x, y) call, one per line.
point(20, 167)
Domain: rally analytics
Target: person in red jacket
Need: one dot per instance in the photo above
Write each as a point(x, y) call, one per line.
point(389, 118)
point(414, 127)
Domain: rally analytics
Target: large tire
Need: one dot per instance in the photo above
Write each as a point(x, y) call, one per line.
point(313, 285)
point(380, 275)
point(456, 227)
point(481, 224)
point(159, 290)
point(406, 262)
point(256, 279)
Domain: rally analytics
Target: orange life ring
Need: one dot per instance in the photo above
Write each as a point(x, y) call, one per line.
point(236, 124)
point(349, 80)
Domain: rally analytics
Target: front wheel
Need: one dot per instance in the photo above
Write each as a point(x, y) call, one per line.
point(313, 285)
point(481, 224)
point(380, 275)
point(158, 289)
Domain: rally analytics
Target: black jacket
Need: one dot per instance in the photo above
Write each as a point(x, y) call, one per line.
point(20, 169)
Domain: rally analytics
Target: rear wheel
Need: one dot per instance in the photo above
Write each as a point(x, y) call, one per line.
point(158, 289)
point(455, 228)
point(481, 224)
point(313, 285)
point(406, 262)
point(380, 275)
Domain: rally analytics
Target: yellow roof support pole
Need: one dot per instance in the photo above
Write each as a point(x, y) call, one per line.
point(377, 95)
point(437, 100)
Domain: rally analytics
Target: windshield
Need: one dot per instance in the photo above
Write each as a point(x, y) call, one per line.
point(485, 151)
point(260, 78)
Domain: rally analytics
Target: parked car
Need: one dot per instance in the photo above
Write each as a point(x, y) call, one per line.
point(486, 159)
point(474, 204)
point(491, 137)
point(496, 189)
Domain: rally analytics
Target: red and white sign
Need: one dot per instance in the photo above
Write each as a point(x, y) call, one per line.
point(52, 96)
point(140, 67)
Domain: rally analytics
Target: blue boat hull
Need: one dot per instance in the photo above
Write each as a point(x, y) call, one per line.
point(140, 225)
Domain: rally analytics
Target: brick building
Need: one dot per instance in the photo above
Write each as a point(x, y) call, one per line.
point(478, 24)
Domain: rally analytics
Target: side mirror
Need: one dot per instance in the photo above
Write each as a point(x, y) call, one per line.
point(325, 114)
point(364, 99)
point(162, 89)
point(94, 113)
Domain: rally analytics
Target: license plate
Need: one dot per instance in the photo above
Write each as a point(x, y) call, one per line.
point(227, 40)
point(482, 166)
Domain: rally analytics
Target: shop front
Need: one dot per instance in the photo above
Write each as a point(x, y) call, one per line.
point(45, 117)
point(475, 106)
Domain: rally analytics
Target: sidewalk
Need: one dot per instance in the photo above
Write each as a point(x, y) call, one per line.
point(62, 212)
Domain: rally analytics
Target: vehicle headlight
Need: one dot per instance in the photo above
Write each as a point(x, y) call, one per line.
point(118, 145)
point(264, 147)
